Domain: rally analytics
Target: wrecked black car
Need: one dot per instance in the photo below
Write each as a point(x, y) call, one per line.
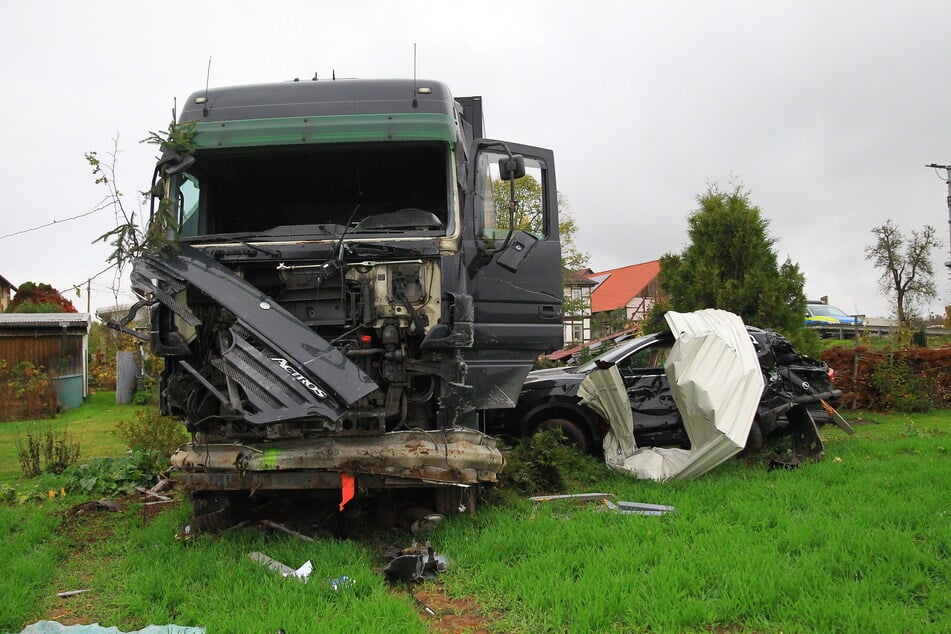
point(549, 398)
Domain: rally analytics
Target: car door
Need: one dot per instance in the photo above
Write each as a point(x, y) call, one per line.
point(657, 422)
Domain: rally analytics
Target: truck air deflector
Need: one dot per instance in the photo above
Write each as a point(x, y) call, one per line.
point(326, 129)
point(288, 371)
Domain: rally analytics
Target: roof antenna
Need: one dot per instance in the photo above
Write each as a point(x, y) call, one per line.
point(333, 74)
point(415, 101)
point(204, 107)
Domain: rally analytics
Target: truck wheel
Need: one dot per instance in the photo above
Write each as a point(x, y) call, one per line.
point(574, 433)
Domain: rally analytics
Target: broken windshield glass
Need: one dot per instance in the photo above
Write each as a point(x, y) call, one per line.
point(314, 190)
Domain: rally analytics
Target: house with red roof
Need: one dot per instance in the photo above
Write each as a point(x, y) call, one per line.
point(633, 288)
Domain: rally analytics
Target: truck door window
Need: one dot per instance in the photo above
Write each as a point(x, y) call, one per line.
point(530, 212)
point(188, 206)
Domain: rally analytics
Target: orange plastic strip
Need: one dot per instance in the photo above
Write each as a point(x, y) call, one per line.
point(347, 482)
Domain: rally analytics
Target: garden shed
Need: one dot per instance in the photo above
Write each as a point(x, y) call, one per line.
point(57, 341)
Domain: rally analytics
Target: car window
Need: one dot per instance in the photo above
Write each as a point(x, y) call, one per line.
point(824, 310)
point(650, 357)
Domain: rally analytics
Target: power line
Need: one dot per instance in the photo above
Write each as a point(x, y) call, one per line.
point(103, 204)
point(89, 279)
point(947, 171)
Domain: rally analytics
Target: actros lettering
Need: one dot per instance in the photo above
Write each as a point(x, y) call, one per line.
point(300, 378)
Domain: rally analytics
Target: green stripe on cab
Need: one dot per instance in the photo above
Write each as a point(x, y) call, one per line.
point(326, 129)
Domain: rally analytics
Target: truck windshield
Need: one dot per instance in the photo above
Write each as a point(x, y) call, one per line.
point(281, 191)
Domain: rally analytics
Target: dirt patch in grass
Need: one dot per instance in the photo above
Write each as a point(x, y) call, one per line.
point(83, 530)
point(450, 615)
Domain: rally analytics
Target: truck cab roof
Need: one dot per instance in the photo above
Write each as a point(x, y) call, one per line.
point(303, 98)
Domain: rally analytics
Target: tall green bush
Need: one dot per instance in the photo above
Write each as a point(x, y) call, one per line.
point(150, 431)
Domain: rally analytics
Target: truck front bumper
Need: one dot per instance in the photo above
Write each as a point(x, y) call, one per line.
point(394, 459)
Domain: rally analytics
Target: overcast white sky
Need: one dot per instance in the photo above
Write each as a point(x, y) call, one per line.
point(826, 111)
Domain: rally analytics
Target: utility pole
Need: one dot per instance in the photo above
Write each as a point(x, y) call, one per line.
point(947, 179)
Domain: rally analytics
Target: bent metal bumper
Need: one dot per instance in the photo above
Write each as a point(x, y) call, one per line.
point(402, 458)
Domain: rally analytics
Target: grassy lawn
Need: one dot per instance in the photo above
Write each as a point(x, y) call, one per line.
point(92, 424)
point(859, 542)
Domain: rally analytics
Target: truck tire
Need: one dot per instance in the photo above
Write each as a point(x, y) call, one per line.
point(575, 434)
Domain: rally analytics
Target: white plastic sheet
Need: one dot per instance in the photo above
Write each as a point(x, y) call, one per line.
point(52, 627)
point(716, 382)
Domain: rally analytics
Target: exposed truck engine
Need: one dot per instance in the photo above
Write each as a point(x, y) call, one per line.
point(348, 296)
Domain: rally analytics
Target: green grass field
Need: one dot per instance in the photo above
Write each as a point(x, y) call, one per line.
point(92, 424)
point(859, 542)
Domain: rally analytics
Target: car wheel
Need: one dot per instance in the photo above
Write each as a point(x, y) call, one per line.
point(573, 432)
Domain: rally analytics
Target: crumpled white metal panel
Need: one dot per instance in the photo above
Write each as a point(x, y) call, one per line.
point(716, 381)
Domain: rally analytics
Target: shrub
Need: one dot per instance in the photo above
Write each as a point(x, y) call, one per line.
point(150, 431)
point(26, 392)
point(913, 379)
point(901, 389)
point(39, 298)
point(48, 451)
point(546, 463)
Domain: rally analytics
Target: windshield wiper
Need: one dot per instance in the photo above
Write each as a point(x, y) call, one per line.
point(239, 241)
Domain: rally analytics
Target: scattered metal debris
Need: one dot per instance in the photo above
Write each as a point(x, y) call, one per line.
point(625, 508)
point(581, 497)
point(284, 529)
point(71, 593)
point(638, 508)
point(413, 564)
point(837, 418)
point(302, 573)
point(422, 606)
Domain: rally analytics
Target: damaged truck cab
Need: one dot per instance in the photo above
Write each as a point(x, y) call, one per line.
point(347, 296)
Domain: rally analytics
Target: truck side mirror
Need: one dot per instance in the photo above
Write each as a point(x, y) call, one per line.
point(180, 164)
point(172, 162)
point(512, 167)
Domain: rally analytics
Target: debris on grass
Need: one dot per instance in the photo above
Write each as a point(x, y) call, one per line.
point(638, 508)
point(340, 583)
point(151, 493)
point(624, 508)
point(280, 527)
point(52, 627)
point(413, 564)
point(71, 593)
point(580, 497)
point(302, 573)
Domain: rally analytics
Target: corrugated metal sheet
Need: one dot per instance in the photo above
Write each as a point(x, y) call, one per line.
point(716, 381)
point(46, 320)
